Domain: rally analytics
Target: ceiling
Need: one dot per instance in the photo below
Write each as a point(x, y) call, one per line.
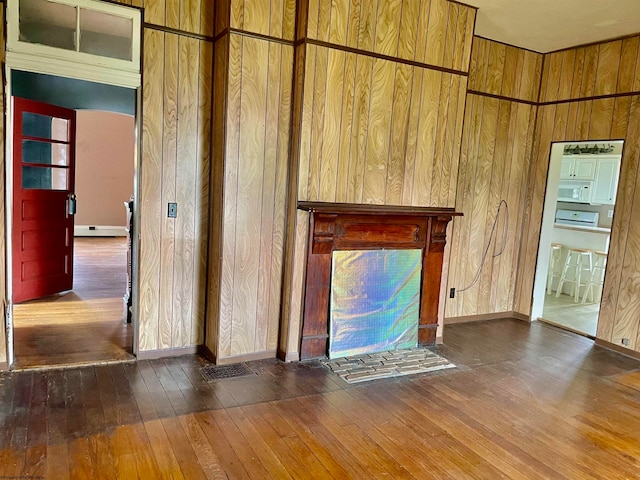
point(547, 25)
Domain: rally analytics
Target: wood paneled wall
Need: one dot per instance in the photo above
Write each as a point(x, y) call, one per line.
point(494, 166)
point(377, 131)
point(504, 70)
point(611, 118)
point(603, 69)
point(374, 128)
point(607, 69)
point(274, 18)
point(252, 115)
point(193, 16)
point(176, 152)
point(433, 32)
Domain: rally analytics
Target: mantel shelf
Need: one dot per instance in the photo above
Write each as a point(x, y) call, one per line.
point(371, 209)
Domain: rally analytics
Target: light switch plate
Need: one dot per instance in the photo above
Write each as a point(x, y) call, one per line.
point(173, 210)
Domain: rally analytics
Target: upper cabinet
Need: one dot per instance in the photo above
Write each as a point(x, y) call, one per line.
point(578, 168)
point(606, 181)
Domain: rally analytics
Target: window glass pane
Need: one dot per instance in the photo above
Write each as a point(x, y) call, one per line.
point(45, 152)
point(48, 23)
point(44, 178)
point(105, 35)
point(43, 126)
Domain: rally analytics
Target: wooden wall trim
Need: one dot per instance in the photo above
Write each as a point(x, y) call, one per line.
point(617, 348)
point(591, 44)
point(258, 36)
point(357, 51)
point(247, 358)
point(502, 97)
point(481, 318)
point(175, 31)
point(505, 43)
point(587, 99)
point(168, 352)
point(4, 366)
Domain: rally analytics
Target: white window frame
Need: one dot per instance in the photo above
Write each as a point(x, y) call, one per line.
point(39, 58)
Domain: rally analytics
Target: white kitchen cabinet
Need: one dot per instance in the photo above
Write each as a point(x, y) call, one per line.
point(606, 181)
point(578, 168)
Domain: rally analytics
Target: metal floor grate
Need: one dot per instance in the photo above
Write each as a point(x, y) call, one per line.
point(217, 372)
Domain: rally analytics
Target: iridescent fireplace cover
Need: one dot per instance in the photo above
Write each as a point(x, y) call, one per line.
point(375, 301)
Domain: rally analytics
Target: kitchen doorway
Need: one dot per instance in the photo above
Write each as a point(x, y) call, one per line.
point(574, 240)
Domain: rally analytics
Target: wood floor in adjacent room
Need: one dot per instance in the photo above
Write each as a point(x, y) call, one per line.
point(526, 401)
point(84, 325)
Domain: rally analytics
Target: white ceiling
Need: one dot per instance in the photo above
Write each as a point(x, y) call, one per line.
point(547, 25)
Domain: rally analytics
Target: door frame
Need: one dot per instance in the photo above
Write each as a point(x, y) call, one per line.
point(548, 218)
point(33, 66)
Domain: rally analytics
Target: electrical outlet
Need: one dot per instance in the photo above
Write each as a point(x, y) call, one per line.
point(625, 342)
point(452, 293)
point(173, 210)
point(609, 213)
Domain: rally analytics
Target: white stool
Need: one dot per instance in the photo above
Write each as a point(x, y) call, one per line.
point(597, 276)
point(579, 259)
point(554, 265)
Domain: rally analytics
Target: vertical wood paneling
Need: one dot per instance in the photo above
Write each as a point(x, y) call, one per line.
point(219, 149)
point(193, 16)
point(376, 131)
point(186, 275)
point(388, 27)
point(150, 190)
point(378, 136)
point(607, 70)
point(175, 168)
point(504, 70)
point(275, 18)
point(494, 164)
point(436, 32)
point(170, 155)
point(608, 323)
point(257, 126)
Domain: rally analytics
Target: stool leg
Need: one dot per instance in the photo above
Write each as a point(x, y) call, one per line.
point(576, 292)
point(563, 276)
point(552, 267)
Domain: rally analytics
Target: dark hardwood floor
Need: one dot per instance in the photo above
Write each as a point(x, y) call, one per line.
point(83, 325)
point(526, 401)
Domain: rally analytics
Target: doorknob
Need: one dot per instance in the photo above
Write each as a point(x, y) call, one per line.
point(72, 203)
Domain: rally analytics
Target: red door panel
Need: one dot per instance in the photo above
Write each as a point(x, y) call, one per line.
point(43, 180)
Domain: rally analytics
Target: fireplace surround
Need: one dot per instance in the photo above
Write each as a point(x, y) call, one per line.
point(341, 226)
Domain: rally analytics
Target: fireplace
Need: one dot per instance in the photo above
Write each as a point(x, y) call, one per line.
point(371, 234)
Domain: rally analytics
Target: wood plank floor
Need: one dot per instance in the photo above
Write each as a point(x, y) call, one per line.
point(526, 402)
point(84, 325)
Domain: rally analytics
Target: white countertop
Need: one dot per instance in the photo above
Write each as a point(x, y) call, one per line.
point(605, 231)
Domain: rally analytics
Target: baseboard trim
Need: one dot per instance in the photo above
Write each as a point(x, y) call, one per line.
point(439, 340)
point(99, 231)
point(481, 318)
point(521, 316)
point(168, 352)
point(247, 358)
point(618, 348)
point(4, 367)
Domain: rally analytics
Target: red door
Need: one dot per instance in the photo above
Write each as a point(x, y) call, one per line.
point(43, 184)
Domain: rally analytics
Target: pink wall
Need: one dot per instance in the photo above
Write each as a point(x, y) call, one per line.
point(104, 166)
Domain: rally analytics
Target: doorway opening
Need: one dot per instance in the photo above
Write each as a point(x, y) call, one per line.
point(88, 320)
point(574, 239)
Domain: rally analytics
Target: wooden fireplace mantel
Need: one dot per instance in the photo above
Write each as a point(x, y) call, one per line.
point(342, 226)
